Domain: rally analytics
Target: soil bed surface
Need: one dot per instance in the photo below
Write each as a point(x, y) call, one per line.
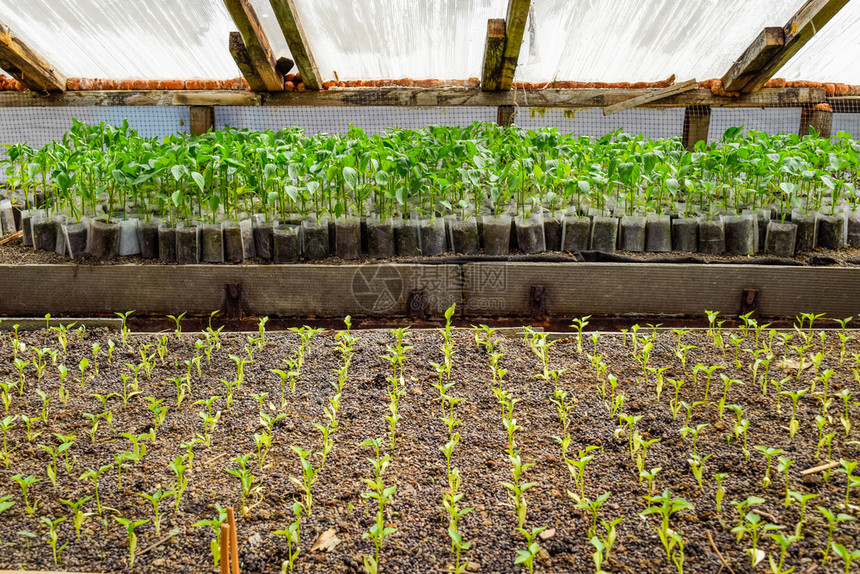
point(421, 542)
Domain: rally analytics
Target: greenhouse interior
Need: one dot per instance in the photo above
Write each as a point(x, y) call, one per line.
point(259, 257)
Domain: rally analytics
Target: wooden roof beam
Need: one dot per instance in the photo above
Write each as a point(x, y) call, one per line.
point(515, 26)
point(291, 26)
point(26, 66)
point(652, 96)
point(259, 54)
point(774, 47)
point(494, 55)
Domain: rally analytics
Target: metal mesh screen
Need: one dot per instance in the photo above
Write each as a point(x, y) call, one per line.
point(769, 120)
point(650, 122)
point(372, 119)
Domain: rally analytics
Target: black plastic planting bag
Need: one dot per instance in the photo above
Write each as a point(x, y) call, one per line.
point(685, 234)
point(166, 243)
point(187, 244)
point(740, 233)
point(497, 234)
point(632, 233)
point(147, 237)
point(407, 237)
point(780, 239)
point(434, 240)
point(712, 238)
point(530, 233)
point(658, 233)
point(604, 233)
point(263, 237)
point(832, 231)
point(211, 243)
point(286, 243)
point(315, 238)
point(575, 233)
point(104, 239)
point(347, 232)
point(380, 238)
point(464, 236)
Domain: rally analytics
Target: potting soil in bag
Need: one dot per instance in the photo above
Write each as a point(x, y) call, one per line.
point(263, 237)
point(497, 234)
point(712, 238)
point(780, 239)
point(434, 240)
point(76, 235)
point(740, 234)
point(315, 238)
point(188, 244)
point(530, 234)
point(166, 243)
point(380, 238)
point(347, 238)
point(632, 233)
point(129, 241)
point(685, 234)
point(832, 230)
point(853, 229)
point(60, 245)
point(407, 237)
point(658, 233)
point(147, 237)
point(7, 218)
point(807, 230)
point(27, 226)
point(286, 243)
point(464, 236)
point(604, 233)
point(211, 242)
point(575, 233)
point(44, 232)
point(104, 239)
point(552, 232)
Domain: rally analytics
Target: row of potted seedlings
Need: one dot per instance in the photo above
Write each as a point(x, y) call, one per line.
point(232, 195)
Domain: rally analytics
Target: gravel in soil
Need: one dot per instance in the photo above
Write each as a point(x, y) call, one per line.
point(421, 542)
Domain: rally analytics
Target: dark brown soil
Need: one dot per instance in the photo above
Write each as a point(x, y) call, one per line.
point(14, 253)
point(421, 543)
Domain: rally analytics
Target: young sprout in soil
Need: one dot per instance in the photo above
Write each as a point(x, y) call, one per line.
point(130, 526)
point(833, 521)
point(6, 389)
point(769, 453)
point(794, 424)
point(754, 526)
point(593, 506)
point(79, 515)
point(383, 495)
point(178, 466)
point(252, 494)
point(784, 542)
point(20, 365)
point(576, 466)
point(215, 525)
point(527, 556)
point(665, 505)
point(52, 468)
point(727, 383)
point(25, 483)
point(579, 325)
point(54, 537)
point(710, 371)
point(847, 556)
point(31, 432)
point(697, 465)
point(803, 499)
point(309, 477)
point(209, 420)
point(293, 535)
point(5, 503)
point(517, 490)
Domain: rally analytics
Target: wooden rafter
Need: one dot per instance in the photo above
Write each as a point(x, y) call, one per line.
point(26, 66)
point(259, 53)
point(772, 49)
point(416, 97)
point(515, 26)
point(494, 55)
point(653, 96)
point(291, 26)
point(243, 61)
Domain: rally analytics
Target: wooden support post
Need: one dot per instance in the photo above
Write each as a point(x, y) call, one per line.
point(202, 119)
point(243, 61)
point(697, 122)
point(256, 44)
point(820, 120)
point(26, 66)
point(652, 96)
point(505, 116)
point(494, 54)
point(766, 55)
point(515, 26)
point(291, 26)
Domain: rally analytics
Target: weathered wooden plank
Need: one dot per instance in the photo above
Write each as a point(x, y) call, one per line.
point(274, 290)
point(412, 97)
point(260, 53)
point(652, 96)
point(515, 24)
point(806, 22)
point(202, 119)
point(505, 115)
point(243, 61)
point(669, 289)
point(697, 123)
point(820, 120)
point(763, 49)
point(494, 55)
point(291, 26)
point(27, 66)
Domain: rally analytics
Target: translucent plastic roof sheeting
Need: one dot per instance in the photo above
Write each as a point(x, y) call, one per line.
point(831, 55)
point(419, 39)
point(642, 40)
point(141, 39)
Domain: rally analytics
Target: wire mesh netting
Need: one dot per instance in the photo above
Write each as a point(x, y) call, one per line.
point(650, 122)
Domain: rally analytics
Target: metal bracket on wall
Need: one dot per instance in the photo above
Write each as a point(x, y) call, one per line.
point(749, 301)
point(416, 304)
point(232, 300)
point(537, 301)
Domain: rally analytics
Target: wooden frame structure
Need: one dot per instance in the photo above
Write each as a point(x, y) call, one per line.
point(27, 66)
